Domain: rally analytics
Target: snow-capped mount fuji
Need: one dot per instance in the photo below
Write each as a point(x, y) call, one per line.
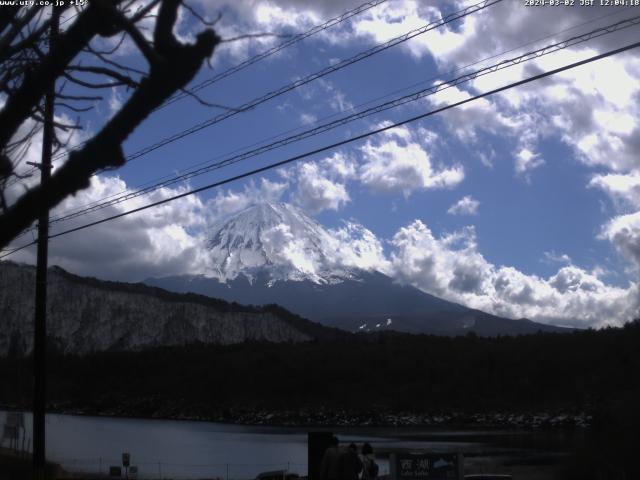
point(276, 240)
point(275, 253)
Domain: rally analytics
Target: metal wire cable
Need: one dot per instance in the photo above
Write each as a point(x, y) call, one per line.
point(303, 81)
point(336, 144)
point(314, 76)
point(425, 92)
point(353, 109)
point(250, 61)
point(272, 51)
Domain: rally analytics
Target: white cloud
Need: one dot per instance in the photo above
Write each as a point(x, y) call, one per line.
point(328, 92)
point(321, 185)
point(31, 151)
point(308, 118)
point(623, 232)
point(553, 257)
point(356, 246)
point(397, 18)
point(281, 245)
point(593, 109)
point(395, 164)
point(231, 201)
point(526, 161)
point(623, 188)
point(470, 118)
point(159, 241)
point(316, 192)
point(483, 116)
point(467, 205)
point(115, 101)
point(451, 267)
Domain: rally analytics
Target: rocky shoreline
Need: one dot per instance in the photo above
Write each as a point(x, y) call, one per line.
point(150, 409)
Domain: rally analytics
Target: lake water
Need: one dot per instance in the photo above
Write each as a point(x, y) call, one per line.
point(186, 449)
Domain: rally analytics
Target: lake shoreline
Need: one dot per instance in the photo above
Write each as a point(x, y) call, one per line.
point(327, 418)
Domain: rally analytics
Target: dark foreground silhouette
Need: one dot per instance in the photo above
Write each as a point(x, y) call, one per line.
point(588, 374)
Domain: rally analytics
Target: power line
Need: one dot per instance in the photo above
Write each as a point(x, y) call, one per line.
point(440, 86)
point(297, 38)
point(337, 144)
point(314, 76)
point(272, 51)
point(159, 182)
point(309, 78)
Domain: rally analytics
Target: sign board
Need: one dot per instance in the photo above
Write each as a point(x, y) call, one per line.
point(426, 466)
point(133, 471)
point(126, 458)
point(115, 471)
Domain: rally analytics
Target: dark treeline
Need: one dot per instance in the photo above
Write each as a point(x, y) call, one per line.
point(597, 372)
point(580, 371)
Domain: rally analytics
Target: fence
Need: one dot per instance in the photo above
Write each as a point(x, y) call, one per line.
point(164, 470)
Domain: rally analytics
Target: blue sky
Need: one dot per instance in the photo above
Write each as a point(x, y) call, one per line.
point(531, 196)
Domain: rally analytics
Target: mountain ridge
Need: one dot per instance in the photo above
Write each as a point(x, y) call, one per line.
point(89, 315)
point(275, 253)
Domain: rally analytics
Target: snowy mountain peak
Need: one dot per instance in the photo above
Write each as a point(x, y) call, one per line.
point(277, 239)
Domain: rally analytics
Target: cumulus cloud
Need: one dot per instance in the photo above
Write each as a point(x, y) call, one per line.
point(624, 189)
point(467, 205)
point(397, 18)
point(316, 192)
point(31, 151)
point(397, 163)
point(157, 242)
point(451, 267)
point(308, 118)
point(282, 246)
point(356, 246)
point(471, 122)
point(228, 202)
point(623, 232)
point(526, 161)
point(321, 185)
point(594, 109)
point(324, 92)
point(553, 257)
point(467, 120)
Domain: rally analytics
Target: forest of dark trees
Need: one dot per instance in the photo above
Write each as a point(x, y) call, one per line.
point(592, 372)
point(581, 371)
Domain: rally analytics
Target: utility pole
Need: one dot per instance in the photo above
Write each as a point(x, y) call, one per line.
point(40, 330)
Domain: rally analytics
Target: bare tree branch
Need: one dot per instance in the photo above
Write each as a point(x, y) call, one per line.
point(36, 80)
point(87, 84)
point(122, 79)
point(200, 17)
point(103, 57)
point(142, 13)
point(87, 98)
point(17, 25)
point(203, 102)
point(73, 108)
point(147, 50)
point(172, 66)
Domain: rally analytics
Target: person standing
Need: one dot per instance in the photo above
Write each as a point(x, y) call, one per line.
point(369, 466)
point(350, 464)
point(330, 464)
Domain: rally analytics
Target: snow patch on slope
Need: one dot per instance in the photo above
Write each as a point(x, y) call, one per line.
point(281, 240)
